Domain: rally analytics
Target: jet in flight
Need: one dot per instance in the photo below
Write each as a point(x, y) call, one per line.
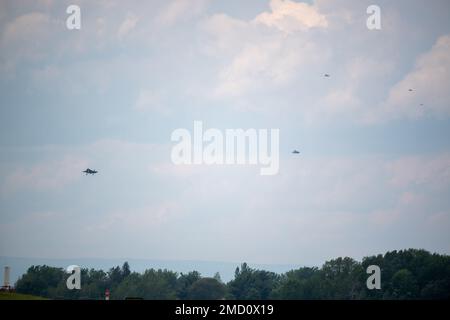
point(89, 171)
point(295, 152)
point(326, 75)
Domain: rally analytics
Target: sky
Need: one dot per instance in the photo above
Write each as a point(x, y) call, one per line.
point(373, 173)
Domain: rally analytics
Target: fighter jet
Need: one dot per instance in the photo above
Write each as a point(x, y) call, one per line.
point(89, 171)
point(410, 90)
point(326, 75)
point(295, 152)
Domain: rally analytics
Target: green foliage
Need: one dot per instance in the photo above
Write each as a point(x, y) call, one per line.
point(250, 284)
point(153, 284)
point(404, 285)
point(405, 274)
point(207, 289)
point(18, 296)
point(411, 274)
point(300, 284)
point(40, 281)
point(342, 278)
point(185, 281)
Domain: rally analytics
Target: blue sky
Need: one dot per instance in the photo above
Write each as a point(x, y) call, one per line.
point(374, 169)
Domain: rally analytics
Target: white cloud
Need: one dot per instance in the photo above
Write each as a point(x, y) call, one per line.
point(58, 166)
point(266, 51)
point(51, 175)
point(179, 10)
point(141, 197)
point(429, 81)
point(332, 200)
point(27, 26)
point(151, 100)
point(347, 96)
point(27, 37)
point(431, 171)
point(140, 220)
point(284, 47)
point(127, 25)
point(290, 16)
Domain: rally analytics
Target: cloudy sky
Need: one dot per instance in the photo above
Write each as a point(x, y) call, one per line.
point(374, 169)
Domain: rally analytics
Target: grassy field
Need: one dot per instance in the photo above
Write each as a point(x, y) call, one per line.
point(18, 296)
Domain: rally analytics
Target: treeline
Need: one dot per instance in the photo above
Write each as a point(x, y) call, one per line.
point(405, 274)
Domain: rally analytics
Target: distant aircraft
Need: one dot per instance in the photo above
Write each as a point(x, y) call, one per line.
point(295, 152)
point(89, 171)
point(410, 90)
point(326, 75)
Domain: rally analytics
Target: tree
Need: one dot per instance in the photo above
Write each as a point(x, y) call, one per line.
point(207, 289)
point(125, 270)
point(342, 279)
point(115, 277)
point(217, 277)
point(304, 283)
point(252, 284)
point(40, 281)
point(152, 284)
point(405, 274)
point(184, 283)
point(404, 285)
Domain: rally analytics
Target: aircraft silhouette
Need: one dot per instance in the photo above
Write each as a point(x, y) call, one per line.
point(326, 75)
point(89, 171)
point(295, 152)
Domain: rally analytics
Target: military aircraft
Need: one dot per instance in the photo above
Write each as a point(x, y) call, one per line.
point(295, 152)
point(326, 75)
point(89, 171)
